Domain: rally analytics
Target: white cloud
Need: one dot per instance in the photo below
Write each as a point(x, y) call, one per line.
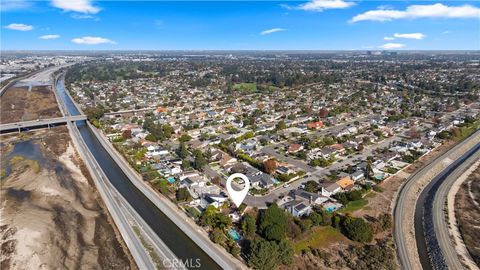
point(49, 37)
point(392, 46)
point(82, 6)
point(92, 40)
point(419, 11)
point(19, 27)
point(320, 5)
point(446, 32)
point(388, 38)
point(273, 30)
point(410, 35)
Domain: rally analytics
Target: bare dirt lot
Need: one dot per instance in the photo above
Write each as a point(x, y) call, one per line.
point(24, 104)
point(52, 217)
point(467, 213)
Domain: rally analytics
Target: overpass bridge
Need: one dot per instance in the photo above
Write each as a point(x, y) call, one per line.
point(40, 123)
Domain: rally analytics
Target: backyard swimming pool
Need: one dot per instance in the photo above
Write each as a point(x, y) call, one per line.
point(331, 208)
point(234, 234)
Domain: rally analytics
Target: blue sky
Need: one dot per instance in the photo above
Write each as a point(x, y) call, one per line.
point(247, 25)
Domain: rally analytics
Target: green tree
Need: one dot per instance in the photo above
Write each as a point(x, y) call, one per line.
point(311, 186)
point(358, 229)
point(183, 194)
point(306, 224)
point(167, 130)
point(207, 218)
point(218, 236)
point(248, 226)
point(273, 223)
point(281, 125)
point(222, 221)
point(182, 151)
point(235, 250)
point(342, 197)
point(94, 113)
point(293, 230)
point(267, 255)
point(354, 195)
point(151, 137)
point(185, 164)
point(336, 220)
point(316, 218)
point(199, 161)
point(162, 186)
point(326, 218)
point(263, 255)
point(285, 250)
point(184, 138)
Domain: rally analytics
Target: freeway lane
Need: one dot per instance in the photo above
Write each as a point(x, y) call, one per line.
point(428, 246)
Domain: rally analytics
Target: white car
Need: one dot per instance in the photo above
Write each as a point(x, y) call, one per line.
point(286, 185)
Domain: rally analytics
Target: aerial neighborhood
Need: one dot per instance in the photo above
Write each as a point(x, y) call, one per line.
point(303, 145)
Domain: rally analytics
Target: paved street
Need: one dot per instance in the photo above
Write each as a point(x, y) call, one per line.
point(441, 225)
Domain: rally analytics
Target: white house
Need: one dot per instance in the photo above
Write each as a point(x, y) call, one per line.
point(331, 190)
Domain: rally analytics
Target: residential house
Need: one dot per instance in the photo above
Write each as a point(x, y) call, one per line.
point(261, 180)
point(331, 190)
point(295, 147)
point(212, 199)
point(357, 175)
point(315, 125)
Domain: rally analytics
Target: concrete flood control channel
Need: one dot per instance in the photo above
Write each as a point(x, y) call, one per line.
point(431, 256)
point(177, 241)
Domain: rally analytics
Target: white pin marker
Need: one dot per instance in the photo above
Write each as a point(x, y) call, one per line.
point(237, 196)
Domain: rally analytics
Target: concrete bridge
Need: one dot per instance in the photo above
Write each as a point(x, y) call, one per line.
point(40, 123)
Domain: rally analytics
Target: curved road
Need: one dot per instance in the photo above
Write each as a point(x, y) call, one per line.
point(439, 218)
point(402, 204)
point(429, 214)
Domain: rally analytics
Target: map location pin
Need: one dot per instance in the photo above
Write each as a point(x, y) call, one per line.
point(237, 196)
